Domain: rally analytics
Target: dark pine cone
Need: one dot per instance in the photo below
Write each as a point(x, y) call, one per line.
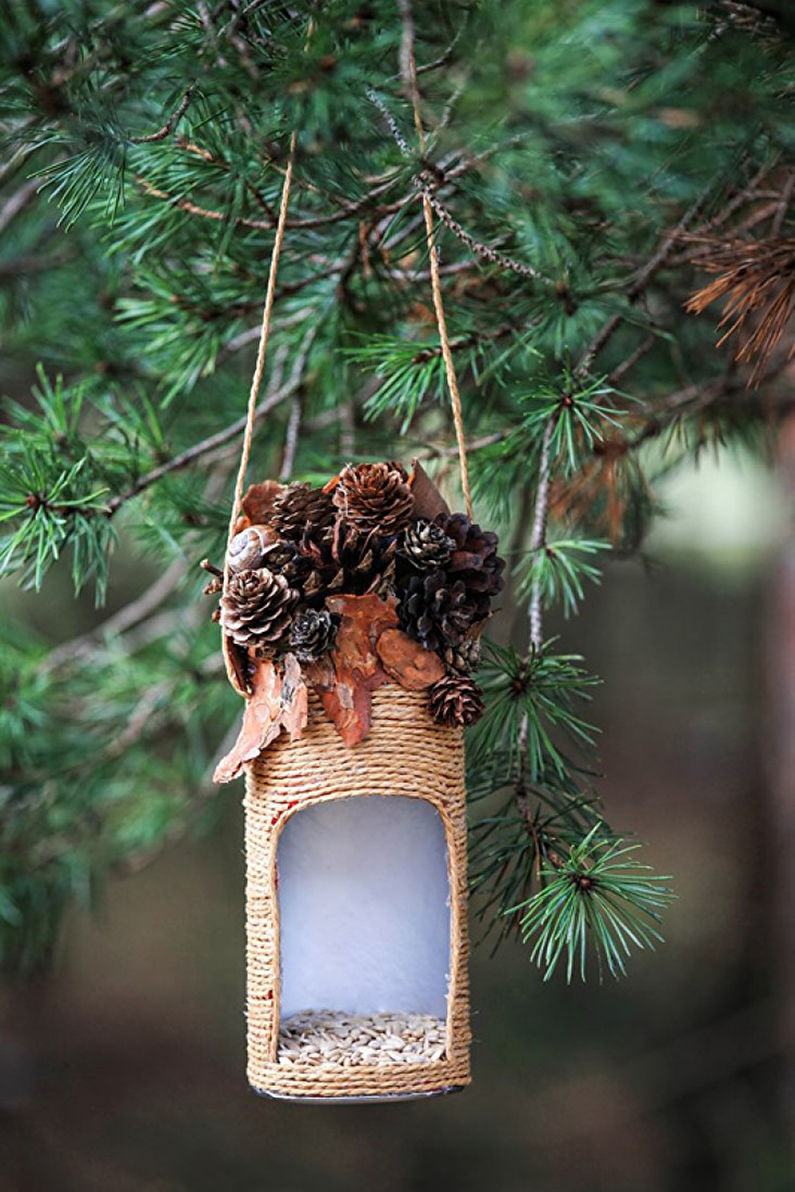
point(374, 497)
point(312, 634)
point(300, 572)
point(474, 559)
point(426, 546)
point(350, 560)
point(256, 608)
point(456, 699)
point(301, 507)
point(464, 657)
point(436, 609)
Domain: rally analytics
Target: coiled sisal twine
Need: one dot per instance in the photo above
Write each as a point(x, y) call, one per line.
point(405, 753)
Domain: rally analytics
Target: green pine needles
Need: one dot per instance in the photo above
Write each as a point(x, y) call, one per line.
point(576, 157)
point(599, 897)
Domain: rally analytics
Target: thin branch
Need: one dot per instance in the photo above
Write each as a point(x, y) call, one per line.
point(621, 370)
point(539, 534)
point(467, 341)
point(137, 610)
point(201, 212)
point(426, 183)
point(484, 251)
point(173, 119)
point(783, 205)
point(191, 454)
point(18, 201)
point(291, 438)
point(641, 281)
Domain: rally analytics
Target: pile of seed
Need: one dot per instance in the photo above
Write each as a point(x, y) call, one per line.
point(333, 1037)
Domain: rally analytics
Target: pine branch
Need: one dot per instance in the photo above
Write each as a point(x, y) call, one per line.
point(171, 122)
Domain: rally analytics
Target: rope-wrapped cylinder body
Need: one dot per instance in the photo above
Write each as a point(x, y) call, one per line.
point(405, 754)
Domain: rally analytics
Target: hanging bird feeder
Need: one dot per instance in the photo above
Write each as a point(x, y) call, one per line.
point(351, 618)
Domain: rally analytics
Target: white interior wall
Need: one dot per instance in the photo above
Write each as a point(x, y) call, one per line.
point(364, 907)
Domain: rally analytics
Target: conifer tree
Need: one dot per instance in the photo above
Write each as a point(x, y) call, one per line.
point(611, 186)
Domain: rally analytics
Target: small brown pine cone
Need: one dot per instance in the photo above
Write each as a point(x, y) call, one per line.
point(312, 634)
point(374, 497)
point(301, 507)
point(435, 609)
point(474, 559)
point(456, 699)
point(426, 546)
point(464, 657)
point(256, 608)
point(300, 572)
point(351, 560)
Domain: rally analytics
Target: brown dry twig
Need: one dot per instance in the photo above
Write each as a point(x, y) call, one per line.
point(173, 119)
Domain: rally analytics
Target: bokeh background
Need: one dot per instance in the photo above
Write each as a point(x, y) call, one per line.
point(125, 1069)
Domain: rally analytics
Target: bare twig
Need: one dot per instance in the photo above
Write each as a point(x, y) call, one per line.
point(201, 212)
point(18, 201)
point(539, 534)
point(291, 438)
point(641, 281)
point(783, 205)
point(138, 610)
point(173, 119)
point(621, 370)
point(426, 183)
point(236, 428)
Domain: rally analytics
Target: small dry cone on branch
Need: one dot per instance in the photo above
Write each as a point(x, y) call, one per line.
point(342, 589)
point(757, 280)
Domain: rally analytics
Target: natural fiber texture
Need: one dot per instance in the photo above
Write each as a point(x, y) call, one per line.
point(409, 70)
point(318, 767)
point(256, 381)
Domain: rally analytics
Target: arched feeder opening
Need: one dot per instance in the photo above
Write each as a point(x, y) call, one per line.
point(364, 933)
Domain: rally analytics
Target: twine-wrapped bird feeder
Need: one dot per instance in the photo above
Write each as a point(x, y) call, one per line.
point(350, 618)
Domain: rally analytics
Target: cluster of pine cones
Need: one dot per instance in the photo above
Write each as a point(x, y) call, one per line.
point(362, 535)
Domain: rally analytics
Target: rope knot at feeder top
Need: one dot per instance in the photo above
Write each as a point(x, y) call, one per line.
point(337, 590)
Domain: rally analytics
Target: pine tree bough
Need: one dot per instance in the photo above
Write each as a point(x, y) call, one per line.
point(570, 230)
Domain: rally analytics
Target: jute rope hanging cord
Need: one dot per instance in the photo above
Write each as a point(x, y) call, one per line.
point(409, 66)
point(259, 367)
point(409, 72)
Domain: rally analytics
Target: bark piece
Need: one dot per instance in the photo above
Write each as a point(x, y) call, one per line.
point(294, 698)
point(407, 662)
point(261, 721)
point(428, 501)
point(258, 503)
point(357, 671)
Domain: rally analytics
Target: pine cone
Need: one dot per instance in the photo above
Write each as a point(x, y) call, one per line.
point(474, 559)
point(312, 634)
point(300, 572)
point(301, 507)
point(426, 546)
point(350, 560)
point(456, 699)
point(464, 657)
point(436, 609)
point(374, 497)
point(256, 608)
